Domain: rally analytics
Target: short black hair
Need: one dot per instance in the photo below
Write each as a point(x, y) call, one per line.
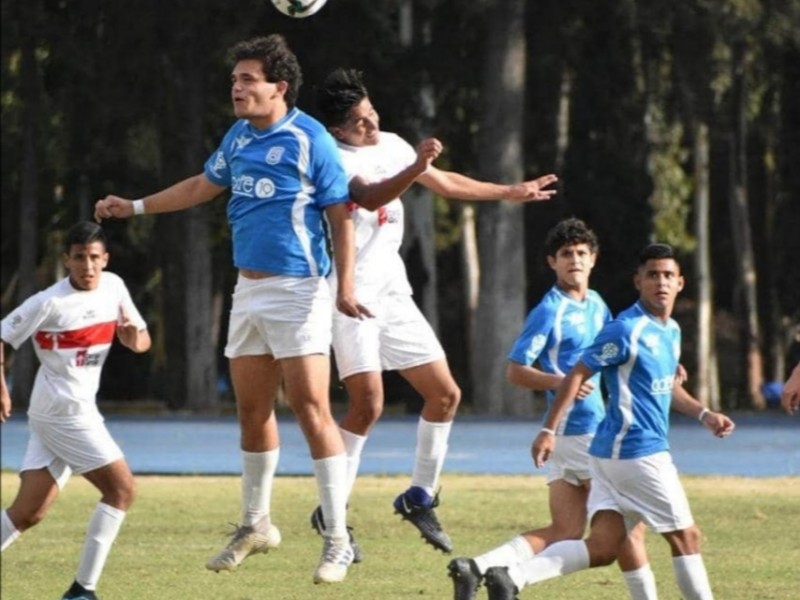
point(655, 252)
point(277, 60)
point(340, 92)
point(568, 233)
point(84, 233)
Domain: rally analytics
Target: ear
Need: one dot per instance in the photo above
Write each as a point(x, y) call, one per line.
point(637, 281)
point(336, 132)
point(282, 87)
point(680, 283)
point(551, 261)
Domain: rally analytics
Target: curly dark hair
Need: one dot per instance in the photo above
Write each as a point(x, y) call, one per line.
point(568, 233)
point(277, 60)
point(339, 93)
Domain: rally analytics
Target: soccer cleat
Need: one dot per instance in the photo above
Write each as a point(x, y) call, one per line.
point(318, 525)
point(245, 540)
point(337, 555)
point(499, 584)
point(466, 578)
point(423, 517)
point(78, 592)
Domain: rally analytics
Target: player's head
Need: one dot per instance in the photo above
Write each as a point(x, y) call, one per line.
point(85, 254)
point(571, 252)
point(658, 278)
point(276, 68)
point(344, 107)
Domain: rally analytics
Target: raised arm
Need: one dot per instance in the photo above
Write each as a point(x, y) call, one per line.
point(184, 194)
point(566, 393)
point(131, 336)
point(684, 403)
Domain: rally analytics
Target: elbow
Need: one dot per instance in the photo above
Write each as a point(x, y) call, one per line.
point(513, 375)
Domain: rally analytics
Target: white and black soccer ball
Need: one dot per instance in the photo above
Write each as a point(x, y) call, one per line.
point(299, 9)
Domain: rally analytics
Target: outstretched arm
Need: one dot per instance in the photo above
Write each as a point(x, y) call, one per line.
point(460, 187)
point(566, 393)
point(684, 403)
point(184, 194)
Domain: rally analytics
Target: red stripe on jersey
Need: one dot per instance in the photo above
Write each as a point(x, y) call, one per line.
point(99, 333)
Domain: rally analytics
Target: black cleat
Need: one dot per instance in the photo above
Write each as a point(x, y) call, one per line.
point(318, 525)
point(466, 578)
point(499, 584)
point(78, 592)
point(424, 518)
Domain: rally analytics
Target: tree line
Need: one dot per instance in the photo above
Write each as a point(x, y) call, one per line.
point(670, 121)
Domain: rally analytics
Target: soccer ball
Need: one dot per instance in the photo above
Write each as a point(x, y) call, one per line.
point(299, 9)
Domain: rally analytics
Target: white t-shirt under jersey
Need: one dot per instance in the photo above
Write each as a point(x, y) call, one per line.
point(379, 269)
point(72, 332)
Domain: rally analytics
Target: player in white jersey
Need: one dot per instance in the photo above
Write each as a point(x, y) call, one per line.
point(72, 325)
point(381, 166)
point(633, 477)
point(286, 181)
point(555, 334)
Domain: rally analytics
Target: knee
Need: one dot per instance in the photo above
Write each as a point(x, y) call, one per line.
point(122, 496)
point(603, 550)
point(686, 541)
point(24, 519)
point(445, 403)
point(364, 416)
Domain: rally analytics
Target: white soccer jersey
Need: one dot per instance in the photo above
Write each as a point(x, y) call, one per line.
point(72, 332)
point(379, 268)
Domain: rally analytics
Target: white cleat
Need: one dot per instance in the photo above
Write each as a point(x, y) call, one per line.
point(245, 540)
point(337, 555)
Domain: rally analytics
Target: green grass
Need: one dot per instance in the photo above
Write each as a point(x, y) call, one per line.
point(750, 529)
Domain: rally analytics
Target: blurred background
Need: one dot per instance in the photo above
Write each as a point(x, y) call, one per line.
point(666, 120)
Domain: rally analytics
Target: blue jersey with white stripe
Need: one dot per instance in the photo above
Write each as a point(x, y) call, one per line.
point(638, 355)
point(281, 180)
point(555, 334)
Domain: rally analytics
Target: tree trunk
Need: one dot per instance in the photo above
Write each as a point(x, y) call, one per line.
point(501, 243)
point(24, 368)
point(191, 370)
point(742, 235)
point(707, 388)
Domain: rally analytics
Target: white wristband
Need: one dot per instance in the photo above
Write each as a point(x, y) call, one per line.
point(702, 414)
point(548, 430)
point(138, 207)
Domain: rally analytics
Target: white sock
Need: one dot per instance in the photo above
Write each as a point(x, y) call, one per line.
point(515, 550)
point(8, 533)
point(353, 446)
point(690, 573)
point(431, 451)
point(100, 535)
point(331, 475)
point(561, 558)
point(258, 473)
point(641, 583)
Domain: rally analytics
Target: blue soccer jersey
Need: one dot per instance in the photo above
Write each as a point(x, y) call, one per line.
point(638, 355)
point(281, 180)
point(555, 334)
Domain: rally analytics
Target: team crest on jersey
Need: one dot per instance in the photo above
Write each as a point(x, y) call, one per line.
point(265, 188)
point(608, 352)
point(241, 141)
point(274, 155)
point(537, 343)
point(15, 322)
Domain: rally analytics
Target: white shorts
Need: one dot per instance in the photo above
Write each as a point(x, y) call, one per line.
point(280, 316)
point(66, 447)
point(570, 459)
point(640, 489)
point(397, 338)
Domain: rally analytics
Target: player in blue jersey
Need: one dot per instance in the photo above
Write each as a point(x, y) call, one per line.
point(286, 179)
point(633, 477)
point(554, 336)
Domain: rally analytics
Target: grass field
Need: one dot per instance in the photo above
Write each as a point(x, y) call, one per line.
point(750, 529)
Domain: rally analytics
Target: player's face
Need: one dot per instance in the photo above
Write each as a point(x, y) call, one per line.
point(361, 127)
point(573, 265)
point(85, 264)
point(254, 98)
point(659, 281)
